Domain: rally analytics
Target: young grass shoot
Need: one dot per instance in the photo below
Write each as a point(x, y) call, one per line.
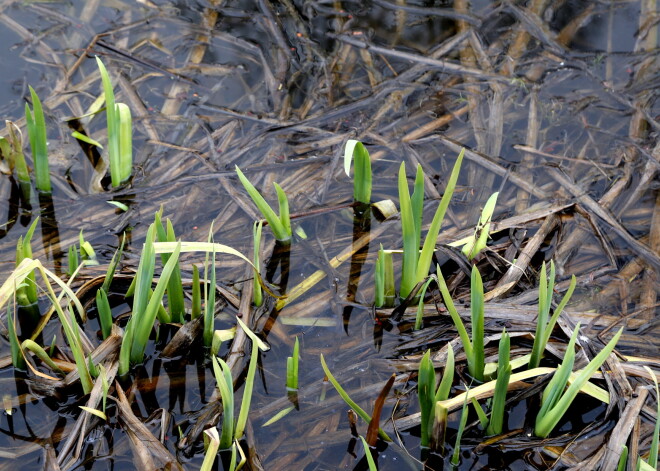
point(362, 180)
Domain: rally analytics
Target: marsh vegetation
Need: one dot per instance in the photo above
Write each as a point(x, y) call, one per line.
point(461, 271)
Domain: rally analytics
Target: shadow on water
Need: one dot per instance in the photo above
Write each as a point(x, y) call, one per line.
point(555, 104)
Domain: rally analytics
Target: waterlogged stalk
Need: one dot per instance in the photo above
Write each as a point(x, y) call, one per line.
point(546, 422)
point(352, 404)
point(362, 180)
point(36, 125)
point(279, 230)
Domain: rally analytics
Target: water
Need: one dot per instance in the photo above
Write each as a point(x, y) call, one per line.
point(277, 90)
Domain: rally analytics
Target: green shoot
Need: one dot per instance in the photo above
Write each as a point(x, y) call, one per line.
point(104, 312)
point(220, 336)
point(231, 431)
point(73, 261)
point(543, 325)
point(481, 232)
point(36, 126)
point(26, 295)
point(429, 395)
point(196, 294)
point(15, 345)
point(209, 296)
point(11, 151)
point(499, 398)
point(105, 385)
point(87, 253)
point(474, 350)
point(555, 401)
point(120, 145)
point(292, 368)
point(257, 344)
point(257, 293)
point(483, 418)
point(420, 306)
point(384, 279)
point(226, 386)
point(368, 455)
point(415, 264)
point(456, 456)
point(362, 180)
point(653, 454)
point(352, 404)
point(145, 303)
point(174, 286)
point(623, 459)
point(281, 414)
point(212, 450)
point(280, 225)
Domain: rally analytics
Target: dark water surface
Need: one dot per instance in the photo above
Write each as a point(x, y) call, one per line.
point(543, 93)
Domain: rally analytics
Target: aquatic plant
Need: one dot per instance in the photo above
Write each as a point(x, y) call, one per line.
point(26, 293)
point(385, 291)
point(456, 455)
point(478, 241)
point(543, 325)
point(11, 152)
point(120, 132)
point(556, 397)
point(257, 293)
point(499, 398)
point(196, 309)
point(146, 303)
point(474, 350)
point(347, 399)
point(367, 453)
point(362, 180)
point(292, 368)
point(416, 264)
point(231, 431)
point(280, 225)
point(429, 395)
point(175, 303)
point(36, 126)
